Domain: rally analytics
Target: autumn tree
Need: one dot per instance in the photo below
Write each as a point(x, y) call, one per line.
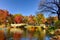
point(31, 20)
point(40, 18)
point(3, 16)
point(57, 24)
point(51, 6)
point(18, 18)
point(10, 19)
point(25, 19)
point(52, 20)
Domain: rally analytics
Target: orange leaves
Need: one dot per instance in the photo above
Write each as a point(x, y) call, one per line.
point(31, 19)
point(52, 19)
point(18, 19)
point(3, 15)
point(2, 37)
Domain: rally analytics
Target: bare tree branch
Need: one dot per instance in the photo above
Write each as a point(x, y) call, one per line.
point(49, 7)
point(48, 11)
point(53, 3)
point(52, 6)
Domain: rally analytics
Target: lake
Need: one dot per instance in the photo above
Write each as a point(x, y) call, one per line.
point(47, 38)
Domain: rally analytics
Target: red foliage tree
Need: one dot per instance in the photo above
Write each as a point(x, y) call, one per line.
point(3, 15)
point(18, 19)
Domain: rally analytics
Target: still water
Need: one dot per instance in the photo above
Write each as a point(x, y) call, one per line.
point(46, 38)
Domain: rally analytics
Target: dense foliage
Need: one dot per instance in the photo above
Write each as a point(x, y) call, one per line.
point(39, 18)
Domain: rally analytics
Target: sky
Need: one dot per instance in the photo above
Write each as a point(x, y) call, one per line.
point(24, 7)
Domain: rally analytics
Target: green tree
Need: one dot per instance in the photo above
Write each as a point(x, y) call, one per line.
point(40, 18)
point(57, 24)
point(25, 19)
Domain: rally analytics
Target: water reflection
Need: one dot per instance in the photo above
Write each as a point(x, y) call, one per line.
point(46, 38)
point(27, 38)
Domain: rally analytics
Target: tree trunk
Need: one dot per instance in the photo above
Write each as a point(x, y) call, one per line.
point(58, 16)
point(58, 13)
